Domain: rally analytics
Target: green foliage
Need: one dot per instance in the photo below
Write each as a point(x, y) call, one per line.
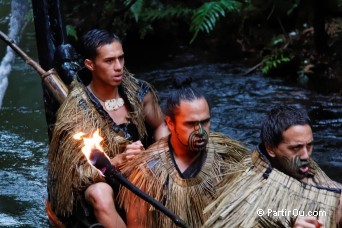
point(136, 8)
point(205, 17)
point(274, 60)
point(71, 31)
point(29, 14)
point(169, 12)
point(144, 12)
point(123, 15)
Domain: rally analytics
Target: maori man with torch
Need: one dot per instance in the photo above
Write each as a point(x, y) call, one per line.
point(181, 171)
point(107, 97)
point(97, 158)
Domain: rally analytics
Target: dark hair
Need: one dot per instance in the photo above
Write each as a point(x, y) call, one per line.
point(95, 38)
point(278, 120)
point(183, 91)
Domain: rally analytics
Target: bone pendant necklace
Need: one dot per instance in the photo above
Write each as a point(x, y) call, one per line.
point(111, 104)
point(114, 104)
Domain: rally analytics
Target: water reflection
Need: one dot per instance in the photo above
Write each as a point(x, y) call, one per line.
point(23, 180)
point(23, 147)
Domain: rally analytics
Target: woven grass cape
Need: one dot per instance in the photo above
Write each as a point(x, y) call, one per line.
point(69, 173)
point(242, 198)
point(155, 173)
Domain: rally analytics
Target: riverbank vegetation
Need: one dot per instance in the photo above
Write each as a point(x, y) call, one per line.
point(299, 40)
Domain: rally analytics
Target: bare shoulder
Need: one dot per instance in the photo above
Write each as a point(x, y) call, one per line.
point(148, 98)
point(152, 111)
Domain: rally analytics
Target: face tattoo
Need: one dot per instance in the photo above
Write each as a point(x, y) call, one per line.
point(292, 167)
point(198, 139)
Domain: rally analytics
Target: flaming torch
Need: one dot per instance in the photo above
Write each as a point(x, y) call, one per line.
point(96, 157)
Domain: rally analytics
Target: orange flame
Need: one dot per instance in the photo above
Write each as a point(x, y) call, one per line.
point(90, 143)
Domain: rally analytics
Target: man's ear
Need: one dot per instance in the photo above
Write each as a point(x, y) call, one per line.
point(89, 64)
point(270, 152)
point(169, 123)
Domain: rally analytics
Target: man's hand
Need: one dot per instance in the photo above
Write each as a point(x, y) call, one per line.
point(307, 222)
point(131, 150)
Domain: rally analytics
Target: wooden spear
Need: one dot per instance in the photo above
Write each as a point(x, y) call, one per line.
point(50, 78)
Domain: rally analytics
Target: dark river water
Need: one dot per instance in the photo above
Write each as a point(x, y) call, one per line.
point(239, 105)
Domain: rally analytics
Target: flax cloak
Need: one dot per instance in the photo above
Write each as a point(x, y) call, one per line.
point(280, 197)
point(154, 172)
point(69, 173)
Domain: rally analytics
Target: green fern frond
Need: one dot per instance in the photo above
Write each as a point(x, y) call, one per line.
point(166, 13)
point(205, 17)
point(71, 31)
point(136, 8)
point(274, 60)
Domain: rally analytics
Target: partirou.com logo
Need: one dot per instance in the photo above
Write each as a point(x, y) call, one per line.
point(293, 212)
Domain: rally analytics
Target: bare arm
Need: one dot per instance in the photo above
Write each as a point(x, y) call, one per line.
point(137, 212)
point(154, 117)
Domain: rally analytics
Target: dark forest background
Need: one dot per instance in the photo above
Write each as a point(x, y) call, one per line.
point(299, 40)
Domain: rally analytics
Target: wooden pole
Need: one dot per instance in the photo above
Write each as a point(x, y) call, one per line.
point(50, 78)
